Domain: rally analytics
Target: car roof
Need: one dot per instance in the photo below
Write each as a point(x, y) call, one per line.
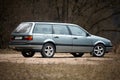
point(53, 23)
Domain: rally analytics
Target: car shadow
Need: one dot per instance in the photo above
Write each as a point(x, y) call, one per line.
point(57, 57)
point(65, 56)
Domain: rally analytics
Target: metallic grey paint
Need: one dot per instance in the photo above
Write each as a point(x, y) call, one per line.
point(63, 43)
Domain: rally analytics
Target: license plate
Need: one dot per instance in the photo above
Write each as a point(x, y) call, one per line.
point(18, 38)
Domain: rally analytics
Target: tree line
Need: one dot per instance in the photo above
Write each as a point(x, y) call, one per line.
point(99, 17)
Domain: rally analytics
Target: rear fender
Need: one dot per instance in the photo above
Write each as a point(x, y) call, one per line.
point(49, 40)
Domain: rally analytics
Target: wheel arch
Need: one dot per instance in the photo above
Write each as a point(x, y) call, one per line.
point(99, 42)
point(102, 43)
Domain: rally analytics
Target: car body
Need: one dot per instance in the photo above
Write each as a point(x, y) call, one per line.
point(49, 38)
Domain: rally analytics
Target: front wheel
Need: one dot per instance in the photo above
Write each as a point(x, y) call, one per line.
point(98, 51)
point(77, 54)
point(48, 50)
point(28, 53)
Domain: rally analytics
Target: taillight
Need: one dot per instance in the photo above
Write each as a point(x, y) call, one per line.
point(28, 37)
point(11, 38)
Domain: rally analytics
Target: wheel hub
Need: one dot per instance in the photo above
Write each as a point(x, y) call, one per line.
point(49, 51)
point(99, 50)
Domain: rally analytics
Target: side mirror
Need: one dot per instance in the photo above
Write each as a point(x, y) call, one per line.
point(87, 34)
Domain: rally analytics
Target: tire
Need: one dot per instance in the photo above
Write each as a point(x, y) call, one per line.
point(48, 50)
point(28, 53)
point(77, 54)
point(98, 50)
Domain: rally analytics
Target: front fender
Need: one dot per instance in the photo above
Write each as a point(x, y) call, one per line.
point(99, 42)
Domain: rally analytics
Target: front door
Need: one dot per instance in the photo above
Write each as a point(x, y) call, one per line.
point(81, 42)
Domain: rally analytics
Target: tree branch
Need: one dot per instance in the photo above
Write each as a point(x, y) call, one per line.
point(103, 19)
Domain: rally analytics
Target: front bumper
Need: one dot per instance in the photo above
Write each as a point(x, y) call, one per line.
point(109, 49)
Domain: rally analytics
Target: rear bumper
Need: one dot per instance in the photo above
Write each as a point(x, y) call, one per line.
point(26, 47)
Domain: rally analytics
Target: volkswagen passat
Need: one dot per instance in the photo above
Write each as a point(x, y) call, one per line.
point(50, 38)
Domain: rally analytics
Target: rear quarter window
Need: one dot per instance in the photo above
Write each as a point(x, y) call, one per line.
point(42, 29)
point(23, 28)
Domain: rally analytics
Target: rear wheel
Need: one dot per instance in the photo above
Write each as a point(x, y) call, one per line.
point(48, 50)
point(98, 51)
point(77, 54)
point(28, 53)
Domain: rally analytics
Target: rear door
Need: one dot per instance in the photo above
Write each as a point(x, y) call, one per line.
point(62, 38)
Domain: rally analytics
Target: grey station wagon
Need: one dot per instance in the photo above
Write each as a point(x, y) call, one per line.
point(50, 38)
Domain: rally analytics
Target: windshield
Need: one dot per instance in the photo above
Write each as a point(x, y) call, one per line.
point(23, 28)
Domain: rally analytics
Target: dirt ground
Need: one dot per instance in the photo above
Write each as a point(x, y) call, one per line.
point(58, 58)
point(63, 66)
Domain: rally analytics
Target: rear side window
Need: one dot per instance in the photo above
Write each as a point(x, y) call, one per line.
point(61, 29)
point(42, 29)
point(23, 28)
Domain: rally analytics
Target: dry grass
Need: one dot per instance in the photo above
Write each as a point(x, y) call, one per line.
point(116, 48)
point(108, 70)
point(7, 51)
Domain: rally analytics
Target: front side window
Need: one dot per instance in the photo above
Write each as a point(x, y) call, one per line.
point(77, 31)
point(43, 29)
point(23, 28)
point(60, 29)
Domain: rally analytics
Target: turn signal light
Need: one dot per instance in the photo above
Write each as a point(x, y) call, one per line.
point(28, 38)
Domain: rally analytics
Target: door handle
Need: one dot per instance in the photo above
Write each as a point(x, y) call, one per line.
point(75, 38)
point(56, 37)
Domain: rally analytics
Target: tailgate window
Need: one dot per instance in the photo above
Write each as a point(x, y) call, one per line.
point(23, 28)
